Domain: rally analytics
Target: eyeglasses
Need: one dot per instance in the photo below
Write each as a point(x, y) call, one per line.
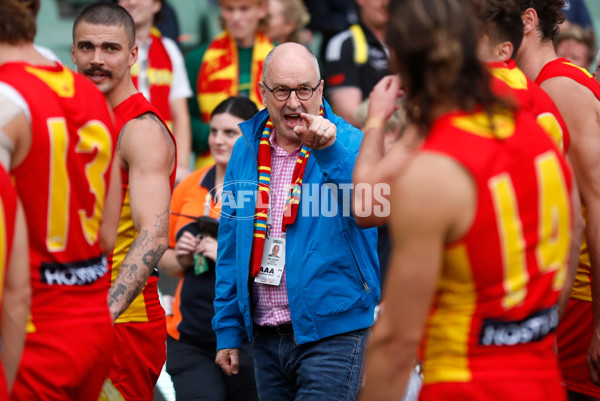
point(303, 92)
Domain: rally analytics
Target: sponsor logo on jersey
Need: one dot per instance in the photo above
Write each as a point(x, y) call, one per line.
point(531, 329)
point(76, 273)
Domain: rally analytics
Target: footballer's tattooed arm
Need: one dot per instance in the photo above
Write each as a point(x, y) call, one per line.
point(140, 261)
point(147, 153)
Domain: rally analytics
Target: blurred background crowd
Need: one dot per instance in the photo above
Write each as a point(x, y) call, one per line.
point(196, 22)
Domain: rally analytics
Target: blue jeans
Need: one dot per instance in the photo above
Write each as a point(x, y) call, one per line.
point(328, 369)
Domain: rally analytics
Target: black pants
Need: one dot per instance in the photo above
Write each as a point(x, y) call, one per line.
point(197, 377)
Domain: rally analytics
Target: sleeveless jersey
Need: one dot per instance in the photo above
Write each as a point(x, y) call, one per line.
point(494, 312)
point(8, 213)
point(62, 184)
point(146, 306)
point(513, 83)
point(160, 76)
point(562, 67)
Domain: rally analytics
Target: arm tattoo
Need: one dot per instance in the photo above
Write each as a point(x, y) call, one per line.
point(161, 226)
point(116, 292)
point(157, 120)
point(141, 259)
point(152, 257)
point(120, 138)
point(162, 126)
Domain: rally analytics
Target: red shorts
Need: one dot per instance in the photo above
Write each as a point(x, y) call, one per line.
point(3, 385)
point(65, 363)
point(574, 335)
point(140, 353)
point(518, 390)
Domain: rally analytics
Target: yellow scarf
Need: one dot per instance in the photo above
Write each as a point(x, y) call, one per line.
point(219, 72)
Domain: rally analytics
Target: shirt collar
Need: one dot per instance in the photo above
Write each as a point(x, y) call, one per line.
point(208, 180)
point(279, 151)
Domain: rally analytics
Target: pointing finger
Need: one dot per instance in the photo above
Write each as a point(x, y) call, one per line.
point(300, 131)
point(308, 118)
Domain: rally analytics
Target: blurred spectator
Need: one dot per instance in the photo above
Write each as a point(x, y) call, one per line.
point(231, 65)
point(191, 344)
point(328, 18)
point(165, 20)
point(167, 23)
point(160, 75)
point(287, 19)
point(356, 59)
point(577, 13)
point(576, 44)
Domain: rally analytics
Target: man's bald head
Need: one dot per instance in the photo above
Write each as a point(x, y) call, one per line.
point(287, 53)
point(290, 67)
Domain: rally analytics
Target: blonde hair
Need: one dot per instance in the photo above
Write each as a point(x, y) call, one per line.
point(578, 34)
point(294, 11)
point(263, 24)
point(396, 122)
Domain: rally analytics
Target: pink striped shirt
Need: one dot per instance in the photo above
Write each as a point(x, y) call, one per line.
point(271, 306)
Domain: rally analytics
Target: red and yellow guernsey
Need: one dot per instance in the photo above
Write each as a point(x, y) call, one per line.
point(562, 67)
point(494, 313)
point(146, 306)
point(62, 184)
point(8, 213)
point(513, 83)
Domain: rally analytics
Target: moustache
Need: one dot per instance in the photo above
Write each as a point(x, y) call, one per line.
point(94, 69)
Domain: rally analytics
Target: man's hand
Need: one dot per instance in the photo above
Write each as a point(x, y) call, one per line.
point(318, 133)
point(383, 98)
point(592, 359)
point(229, 360)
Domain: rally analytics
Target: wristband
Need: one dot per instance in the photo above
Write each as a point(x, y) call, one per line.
point(374, 122)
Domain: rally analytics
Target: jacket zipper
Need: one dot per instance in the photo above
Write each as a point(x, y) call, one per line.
point(364, 282)
point(251, 150)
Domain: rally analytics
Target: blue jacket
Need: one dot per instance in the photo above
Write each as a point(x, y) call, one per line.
point(331, 264)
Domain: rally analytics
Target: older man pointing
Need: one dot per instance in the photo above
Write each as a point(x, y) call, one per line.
point(308, 311)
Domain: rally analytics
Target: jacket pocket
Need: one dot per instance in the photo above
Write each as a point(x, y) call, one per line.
point(357, 265)
point(336, 285)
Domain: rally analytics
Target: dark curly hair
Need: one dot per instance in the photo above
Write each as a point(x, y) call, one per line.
point(502, 22)
point(434, 47)
point(550, 15)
